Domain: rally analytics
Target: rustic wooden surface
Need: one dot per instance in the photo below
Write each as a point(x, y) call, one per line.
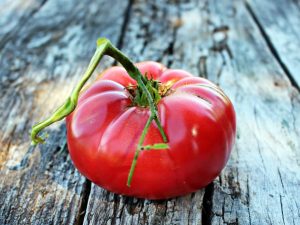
point(249, 48)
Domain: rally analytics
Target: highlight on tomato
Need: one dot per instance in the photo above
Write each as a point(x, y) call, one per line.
point(144, 130)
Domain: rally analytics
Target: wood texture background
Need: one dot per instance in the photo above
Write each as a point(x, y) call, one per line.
point(249, 48)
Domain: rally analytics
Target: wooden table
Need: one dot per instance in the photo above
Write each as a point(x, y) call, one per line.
point(249, 48)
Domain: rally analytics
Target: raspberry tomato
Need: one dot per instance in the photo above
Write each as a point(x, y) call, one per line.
point(104, 130)
point(145, 130)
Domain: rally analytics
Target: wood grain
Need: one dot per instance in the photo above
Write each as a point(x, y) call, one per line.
point(259, 185)
point(220, 40)
point(279, 22)
point(45, 47)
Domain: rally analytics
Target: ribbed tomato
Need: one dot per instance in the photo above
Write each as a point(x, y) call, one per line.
point(104, 129)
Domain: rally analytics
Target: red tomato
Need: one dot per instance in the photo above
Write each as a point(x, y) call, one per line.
point(104, 130)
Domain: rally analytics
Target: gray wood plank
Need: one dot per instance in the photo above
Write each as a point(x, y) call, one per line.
point(260, 184)
point(40, 186)
point(45, 46)
point(107, 208)
point(220, 40)
point(280, 21)
point(149, 36)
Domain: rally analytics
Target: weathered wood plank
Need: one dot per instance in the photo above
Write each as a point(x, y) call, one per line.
point(259, 186)
point(45, 46)
point(260, 183)
point(280, 21)
point(107, 208)
point(149, 35)
point(220, 40)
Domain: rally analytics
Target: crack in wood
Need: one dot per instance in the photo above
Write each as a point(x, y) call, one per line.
point(207, 212)
point(87, 192)
point(84, 202)
point(125, 24)
point(248, 199)
point(280, 177)
point(281, 207)
point(271, 47)
point(202, 66)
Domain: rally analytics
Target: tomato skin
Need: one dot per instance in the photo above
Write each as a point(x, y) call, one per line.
point(104, 130)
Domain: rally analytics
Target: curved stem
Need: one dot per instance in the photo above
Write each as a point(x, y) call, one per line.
point(160, 128)
point(71, 102)
point(105, 47)
point(136, 74)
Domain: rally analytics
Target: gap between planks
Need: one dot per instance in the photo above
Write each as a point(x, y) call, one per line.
point(87, 193)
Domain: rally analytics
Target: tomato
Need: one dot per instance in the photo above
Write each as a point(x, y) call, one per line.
point(104, 129)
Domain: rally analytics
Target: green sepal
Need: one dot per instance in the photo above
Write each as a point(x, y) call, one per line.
point(158, 146)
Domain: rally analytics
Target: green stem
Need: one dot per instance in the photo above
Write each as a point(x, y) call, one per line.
point(136, 74)
point(160, 128)
point(71, 102)
point(139, 148)
point(104, 46)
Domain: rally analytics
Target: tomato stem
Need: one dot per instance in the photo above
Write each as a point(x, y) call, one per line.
point(139, 148)
point(104, 47)
point(71, 102)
